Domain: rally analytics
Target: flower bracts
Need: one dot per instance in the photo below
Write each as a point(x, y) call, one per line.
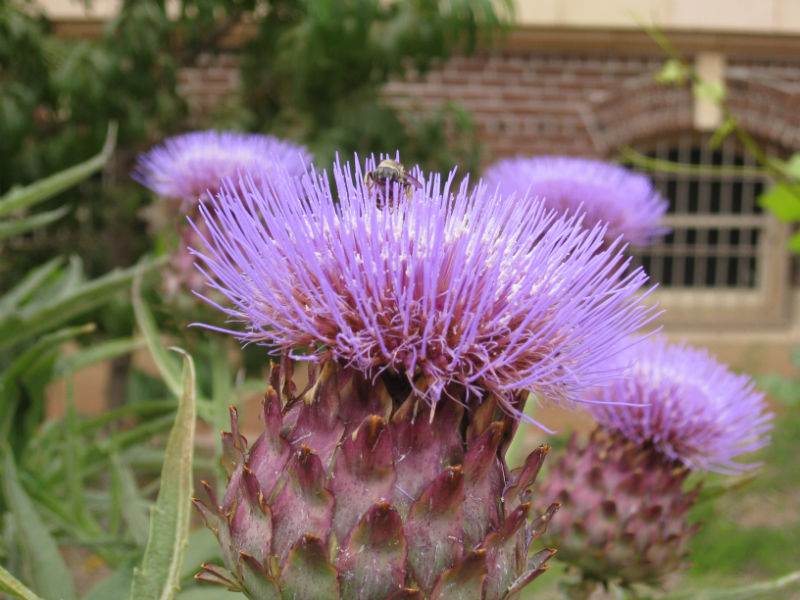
point(352, 494)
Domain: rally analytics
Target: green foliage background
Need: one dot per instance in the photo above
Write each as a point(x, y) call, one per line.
point(312, 71)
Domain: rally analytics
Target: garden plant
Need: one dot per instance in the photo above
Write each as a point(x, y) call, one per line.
point(402, 321)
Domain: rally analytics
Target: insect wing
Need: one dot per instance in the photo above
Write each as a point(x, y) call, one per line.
point(412, 180)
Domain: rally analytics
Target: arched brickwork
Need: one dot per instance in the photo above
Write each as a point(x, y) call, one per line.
point(768, 110)
point(643, 109)
point(639, 109)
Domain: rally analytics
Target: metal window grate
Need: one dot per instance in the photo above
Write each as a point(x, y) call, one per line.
point(717, 226)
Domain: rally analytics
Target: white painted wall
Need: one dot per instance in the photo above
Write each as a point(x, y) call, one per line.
point(75, 9)
point(764, 16)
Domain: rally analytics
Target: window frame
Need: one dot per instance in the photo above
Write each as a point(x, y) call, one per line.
point(767, 302)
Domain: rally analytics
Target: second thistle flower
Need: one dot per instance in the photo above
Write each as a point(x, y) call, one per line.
point(606, 192)
point(187, 168)
point(625, 508)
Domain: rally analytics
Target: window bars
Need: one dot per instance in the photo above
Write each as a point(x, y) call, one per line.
point(725, 260)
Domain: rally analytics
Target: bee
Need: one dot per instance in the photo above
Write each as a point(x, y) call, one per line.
point(390, 171)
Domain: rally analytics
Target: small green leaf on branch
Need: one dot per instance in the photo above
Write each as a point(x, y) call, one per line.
point(782, 200)
point(673, 72)
point(714, 91)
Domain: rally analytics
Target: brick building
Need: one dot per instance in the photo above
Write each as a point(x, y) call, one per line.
point(576, 77)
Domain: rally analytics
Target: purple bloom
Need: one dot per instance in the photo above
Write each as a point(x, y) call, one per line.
point(626, 201)
point(185, 166)
point(688, 405)
point(456, 291)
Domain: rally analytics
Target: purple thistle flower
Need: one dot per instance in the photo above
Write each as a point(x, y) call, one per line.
point(688, 405)
point(606, 192)
point(452, 290)
point(185, 166)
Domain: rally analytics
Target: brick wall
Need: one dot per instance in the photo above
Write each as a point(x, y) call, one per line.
point(529, 101)
point(525, 102)
point(211, 84)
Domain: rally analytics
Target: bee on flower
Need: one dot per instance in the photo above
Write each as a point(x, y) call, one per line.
point(388, 173)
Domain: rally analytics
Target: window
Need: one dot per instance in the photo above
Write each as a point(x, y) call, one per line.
point(725, 259)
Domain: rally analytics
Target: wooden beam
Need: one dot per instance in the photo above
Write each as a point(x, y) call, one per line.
point(631, 41)
point(572, 40)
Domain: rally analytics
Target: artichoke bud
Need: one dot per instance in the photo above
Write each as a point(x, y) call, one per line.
point(624, 514)
point(352, 492)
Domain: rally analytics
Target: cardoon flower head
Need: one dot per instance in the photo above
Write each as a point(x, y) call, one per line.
point(624, 504)
point(403, 295)
point(687, 405)
point(188, 166)
point(453, 292)
point(626, 201)
point(184, 167)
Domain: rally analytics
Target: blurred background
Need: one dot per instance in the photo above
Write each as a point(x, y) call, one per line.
point(450, 83)
point(552, 77)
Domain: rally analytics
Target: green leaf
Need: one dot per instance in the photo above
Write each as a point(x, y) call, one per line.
point(222, 393)
point(28, 359)
point(17, 226)
point(794, 243)
point(72, 467)
point(50, 576)
point(144, 409)
point(673, 71)
point(28, 374)
point(203, 548)
point(113, 587)
point(29, 322)
point(166, 364)
point(70, 278)
point(134, 507)
point(714, 91)
point(29, 285)
point(782, 200)
point(11, 585)
point(22, 197)
point(762, 589)
point(66, 365)
point(792, 166)
point(159, 576)
point(136, 435)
